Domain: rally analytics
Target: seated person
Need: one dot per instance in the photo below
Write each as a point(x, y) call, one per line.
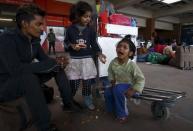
point(174, 44)
point(168, 50)
point(20, 76)
point(126, 78)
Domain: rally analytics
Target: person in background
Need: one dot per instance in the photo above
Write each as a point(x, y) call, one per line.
point(168, 49)
point(80, 41)
point(126, 78)
point(21, 76)
point(154, 38)
point(174, 44)
point(52, 40)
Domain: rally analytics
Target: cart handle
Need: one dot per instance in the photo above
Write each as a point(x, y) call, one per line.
point(164, 91)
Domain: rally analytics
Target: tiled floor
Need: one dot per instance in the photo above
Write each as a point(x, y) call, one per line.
point(140, 118)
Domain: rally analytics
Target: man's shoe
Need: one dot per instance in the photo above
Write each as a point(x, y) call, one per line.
point(71, 108)
point(67, 108)
point(53, 128)
point(77, 104)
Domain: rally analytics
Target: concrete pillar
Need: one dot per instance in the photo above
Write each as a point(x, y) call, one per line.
point(150, 28)
point(177, 33)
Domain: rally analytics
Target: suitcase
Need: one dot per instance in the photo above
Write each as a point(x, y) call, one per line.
point(120, 19)
point(103, 20)
point(184, 57)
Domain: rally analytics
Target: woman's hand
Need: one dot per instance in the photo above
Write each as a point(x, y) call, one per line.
point(102, 58)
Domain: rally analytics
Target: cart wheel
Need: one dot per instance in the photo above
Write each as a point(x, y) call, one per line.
point(160, 111)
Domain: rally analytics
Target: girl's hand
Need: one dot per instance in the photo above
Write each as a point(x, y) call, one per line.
point(82, 45)
point(102, 58)
point(130, 92)
point(75, 47)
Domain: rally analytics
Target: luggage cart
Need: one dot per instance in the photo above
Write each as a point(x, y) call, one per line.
point(162, 100)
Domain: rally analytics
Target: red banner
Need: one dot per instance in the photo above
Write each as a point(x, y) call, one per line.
point(57, 21)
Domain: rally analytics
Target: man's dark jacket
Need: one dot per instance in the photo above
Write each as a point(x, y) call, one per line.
point(16, 55)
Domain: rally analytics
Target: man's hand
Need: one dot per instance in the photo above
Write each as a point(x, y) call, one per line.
point(102, 58)
point(63, 61)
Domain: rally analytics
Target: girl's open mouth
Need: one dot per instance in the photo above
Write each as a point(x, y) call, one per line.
point(120, 53)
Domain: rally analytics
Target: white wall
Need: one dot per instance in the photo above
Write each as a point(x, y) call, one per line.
point(169, 19)
point(141, 22)
point(163, 25)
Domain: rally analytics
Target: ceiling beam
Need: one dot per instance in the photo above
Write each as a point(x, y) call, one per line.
point(169, 19)
point(186, 20)
point(136, 12)
point(75, 1)
point(174, 11)
point(120, 5)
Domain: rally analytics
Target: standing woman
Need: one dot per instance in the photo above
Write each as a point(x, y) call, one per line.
point(80, 41)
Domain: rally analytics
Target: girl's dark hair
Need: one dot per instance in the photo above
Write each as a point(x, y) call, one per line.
point(132, 48)
point(78, 10)
point(26, 12)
